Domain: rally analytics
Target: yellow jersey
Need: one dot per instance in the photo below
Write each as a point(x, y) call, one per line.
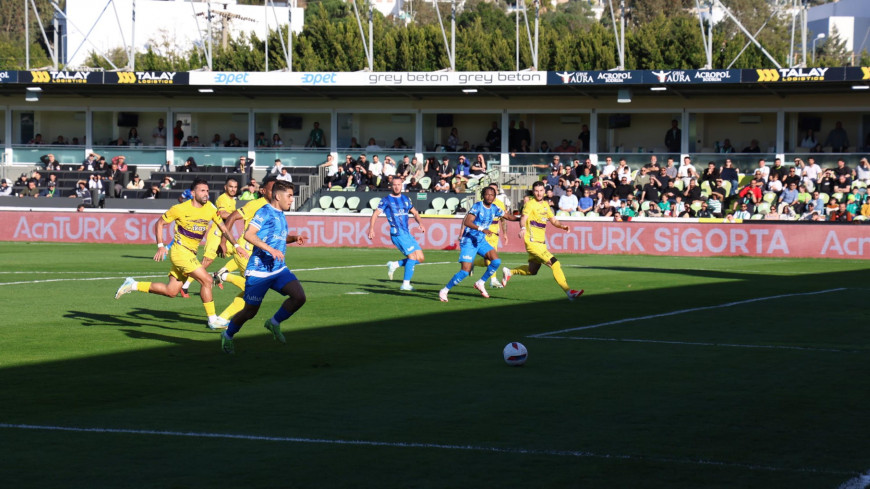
point(494, 227)
point(191, 223)
point(537, 215)
point(225, 203)
point(247, 212)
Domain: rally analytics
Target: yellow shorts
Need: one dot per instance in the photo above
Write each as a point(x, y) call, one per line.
point(538, 252)
point(242, 263)
point(184, 262)
point(493, 241)
point(212, 241)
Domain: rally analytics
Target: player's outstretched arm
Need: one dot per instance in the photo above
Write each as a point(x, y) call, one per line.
point(558, 224)
point(296, 238)
point(158, 234)
point(251, 237)
point(375, 215)
point(229, 222)
point(228, 236)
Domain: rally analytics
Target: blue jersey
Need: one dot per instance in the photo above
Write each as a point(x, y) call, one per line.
point(396, 209)
point(272, 228)
point(483, 217)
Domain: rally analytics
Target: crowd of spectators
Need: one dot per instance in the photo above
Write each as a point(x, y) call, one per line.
point(802, 191)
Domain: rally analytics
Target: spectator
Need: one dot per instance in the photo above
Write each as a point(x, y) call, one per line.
point(316, 138)
point(372, 146)
point(5, 188)
point(838, 140)
point(673, 138)
point(583, 137)
point(121, 160)
point(711, 174)
point(779, 169)
point(862, 171)
point(37, 139)
point(832, 205)
point(841, 214)
point(544, 147)
point(743, 212)
point(30, 190)
point(38, 178)
point(133, 137)
point(764, 169)
point(713, 205)
point(789, 196)
point(113, 181)
point(729, 174)
point(285, 175)
point(136, 183)
point(189, 165)
point(752, 148)
point(692, 193)
point(493, 137)
point(478, 168)
point(403, 169)
point(811, 172)
point(569, 202)
point(216, 141)
point(80, 208)
point(152, 193)
point(670, 170)
point(842, 185)
point(50, 163)
point(276, 141)
point(118, 142)
point(665, 206)
point(809, 139)
point(623, 189)
point(842, 170)
point(817, 149)
point(389, 167)
point(459, 184)
point(245, 165)
point(399, 143)
point(463, 167)
point(623, 170)
point(167, 184)
point(413, 186)
point(260, 140)
point(565, 148)
point(276, 170)
point(90, 163)
point(774, 185)
point(791, 177)
point(826, 183)
point(159, 134)
point(442, 185)
point(726, 147)
point(50, 191)
point(82, 192)
point(444, 170)
point(177, 134)
point(95, 185)
point(101, 165)
point(251, 192)
point(704, 211)
point(687, 171)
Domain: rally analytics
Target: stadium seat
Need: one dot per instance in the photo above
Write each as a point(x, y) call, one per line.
point(366, 212)
point(425, 183)
point(678, 184)
point(430, 212)
point(563, 214)
point(577, 214)
point(444, 212)
point(325, 201)
point(705, 186)
point(331, 210)
point(316, 210)
point(858, 184)
point(695, 206)
point(756, 217)
point(763, 208)
point(353, 203)
point(336, 188)
point(727, 186)
point(644, 206)
point(592, 214)
point(438, 203)
point(838, 196)
point(338, 201)
point(373, 202)
point(769, 197)
point(452, 203)
point(825, 197)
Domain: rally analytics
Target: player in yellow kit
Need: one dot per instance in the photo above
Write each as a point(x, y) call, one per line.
point(192, 219)
point(533, 225)
point(246, 213)
point(226, 204)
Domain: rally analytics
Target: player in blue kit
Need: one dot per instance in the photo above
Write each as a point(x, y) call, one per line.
point(268, 233)
point(397, 207)
point(477, 222)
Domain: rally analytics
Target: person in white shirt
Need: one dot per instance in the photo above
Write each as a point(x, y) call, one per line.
point(765, 170)
point(159, 134)
point(811, 172)
point(743, 213)
point(568, 202)
point(285, 175)
point(276, 170)
point(373, 145)
point(687, 171)
point(376, 167)
point(623, 170)
point(809, 141)
point(862, 171)
point(389, 167)
point(609, 167)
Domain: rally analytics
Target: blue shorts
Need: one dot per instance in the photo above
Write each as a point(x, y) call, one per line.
point(405, 243)
point(256, 287)
point(469, 247)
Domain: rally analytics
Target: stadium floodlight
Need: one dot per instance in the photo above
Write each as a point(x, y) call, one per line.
point(623, 96)
point(32, 94)
point(469, 90)
point(206, 90)
point(658, 89)
point(860, 87)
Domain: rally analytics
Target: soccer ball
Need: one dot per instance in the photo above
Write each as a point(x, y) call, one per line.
point(515, 354)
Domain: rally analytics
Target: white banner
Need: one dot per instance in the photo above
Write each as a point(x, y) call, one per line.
point(370, 79)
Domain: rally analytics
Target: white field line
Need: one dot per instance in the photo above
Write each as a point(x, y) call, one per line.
point(682, 311)
point(671, 269)
point(693, 343)
point(860, 482)
point(79, 279)
point(422, 445)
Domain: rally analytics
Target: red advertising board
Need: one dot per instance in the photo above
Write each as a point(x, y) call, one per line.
point(660, 237)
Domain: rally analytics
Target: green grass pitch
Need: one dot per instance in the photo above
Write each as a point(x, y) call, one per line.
point(679, 379)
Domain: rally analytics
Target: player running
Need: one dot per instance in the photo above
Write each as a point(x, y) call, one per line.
point(268, 232)
point(477, 228)
point(246, 213)
point(499, 231)
point(533, 225)
point(226, 204)
point(192, 219)
point(396, 207)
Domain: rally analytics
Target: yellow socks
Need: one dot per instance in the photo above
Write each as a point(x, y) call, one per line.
point(143, 286)
point(209, 308)
point(236, 280)
point(235, 307)
point(560, 277)
point(480, 262)
point(523, 270)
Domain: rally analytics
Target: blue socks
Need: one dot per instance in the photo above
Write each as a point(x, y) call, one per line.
point(459, 277)
point(409, 267)
point(280, 315)
point(232, 329)
point(491, 269)
point(403, 261)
